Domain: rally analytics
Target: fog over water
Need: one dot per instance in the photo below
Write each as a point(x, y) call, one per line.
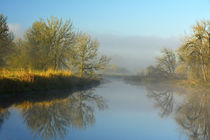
point(56, 80)
point(135, 52)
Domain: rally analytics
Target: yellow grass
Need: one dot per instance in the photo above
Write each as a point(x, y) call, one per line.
point(30, 80)
point(28, 75)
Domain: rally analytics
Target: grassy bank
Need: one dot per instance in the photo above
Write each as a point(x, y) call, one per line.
point(27, 81)
point(178, 81)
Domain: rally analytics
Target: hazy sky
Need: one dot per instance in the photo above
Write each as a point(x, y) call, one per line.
point(131, 31)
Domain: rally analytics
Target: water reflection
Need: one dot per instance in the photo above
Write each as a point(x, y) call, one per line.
point(55, 115)
point(194, 115)
point(53, 118)
point(4, 114)
point(163, 95)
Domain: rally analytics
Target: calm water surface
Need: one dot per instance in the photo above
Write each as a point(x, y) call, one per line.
point(115, 110)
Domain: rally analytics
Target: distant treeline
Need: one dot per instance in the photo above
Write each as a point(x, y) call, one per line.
point(190, 61)
point(50, 44)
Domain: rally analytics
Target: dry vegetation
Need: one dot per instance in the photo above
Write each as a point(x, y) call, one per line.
point(45, 57)
point(28, 80)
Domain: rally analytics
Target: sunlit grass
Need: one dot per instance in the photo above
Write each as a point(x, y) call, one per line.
point(30, 80)
point(29, 75)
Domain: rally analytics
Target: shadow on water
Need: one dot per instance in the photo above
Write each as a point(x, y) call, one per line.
point(50, 116)
point(192, 114)
point(6, 100)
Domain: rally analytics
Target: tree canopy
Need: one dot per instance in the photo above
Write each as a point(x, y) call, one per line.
point(6, 38)
point(86, 50)
point(50, 44)
point(195, 52)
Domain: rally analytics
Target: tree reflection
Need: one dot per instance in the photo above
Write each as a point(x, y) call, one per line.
point(164, 101)
point(163, 97)
point(4, 114)
point(82, 109)
point(51, 119)
point(194, 115)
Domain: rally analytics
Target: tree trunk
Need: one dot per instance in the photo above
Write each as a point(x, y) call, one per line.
point(55, 62)
point(203, 69)
point(202, 62)
point(81, 67)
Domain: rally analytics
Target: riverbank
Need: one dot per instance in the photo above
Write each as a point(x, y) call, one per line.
point(177, 81)
point(14, 82)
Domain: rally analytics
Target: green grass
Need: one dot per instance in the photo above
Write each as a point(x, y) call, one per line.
point(26, 81)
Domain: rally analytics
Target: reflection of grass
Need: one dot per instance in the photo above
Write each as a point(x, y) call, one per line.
point(23, 81)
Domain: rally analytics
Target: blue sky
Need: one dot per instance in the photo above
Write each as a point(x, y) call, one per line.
point(159, 19)
point(163, 18)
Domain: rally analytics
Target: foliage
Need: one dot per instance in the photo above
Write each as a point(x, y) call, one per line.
point(194, 58)
point(6, 39)
point(50, 43)
point(195, 52)
point(155, 72)
point(45, 57)
point(86, 55)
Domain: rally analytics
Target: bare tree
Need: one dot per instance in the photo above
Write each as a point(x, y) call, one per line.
point(50, 43)
point(86, 55)
point(167, 62)
point(195, 52)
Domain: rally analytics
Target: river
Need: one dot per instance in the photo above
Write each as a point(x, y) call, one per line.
point(115, 110)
